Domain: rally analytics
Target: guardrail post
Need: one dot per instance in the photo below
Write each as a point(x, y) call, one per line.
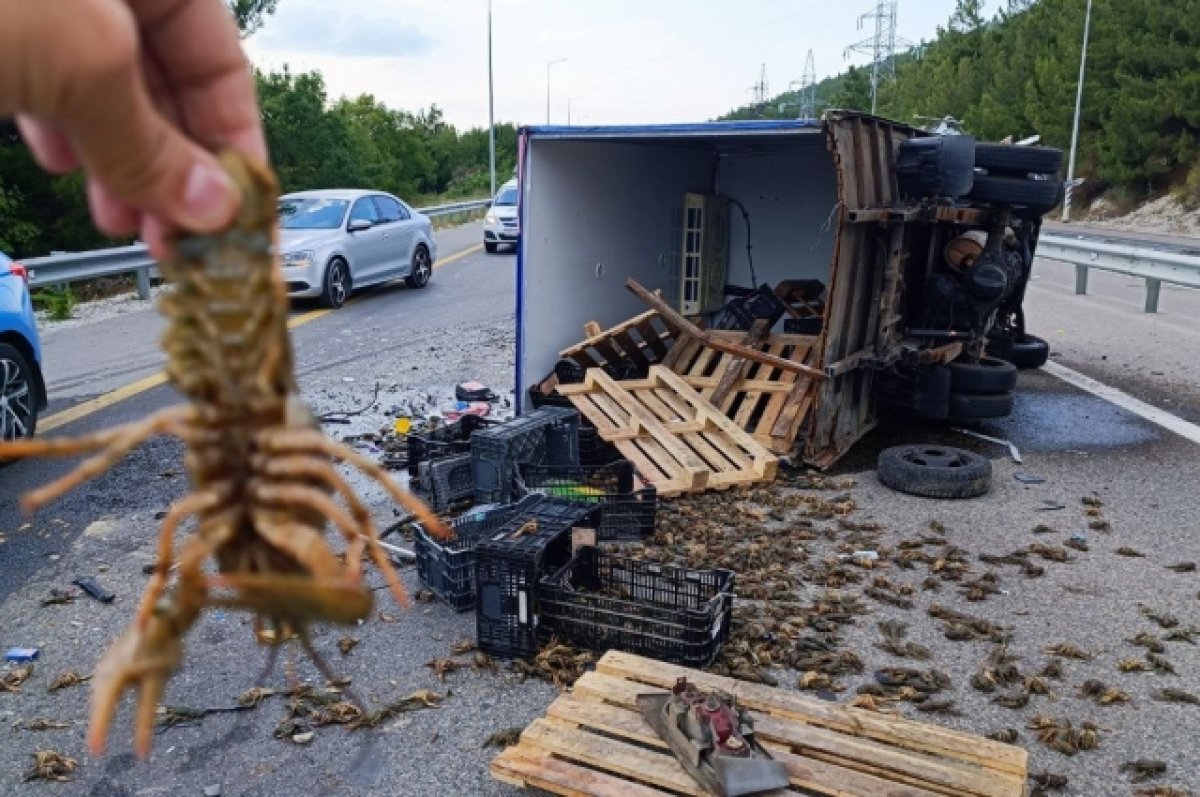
point(1153, 287)
point(1081, 278)
point(143, 283)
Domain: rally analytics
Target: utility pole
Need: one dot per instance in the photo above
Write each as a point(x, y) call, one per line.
point(491, 108)
point(808, 89)
point(569, 101)
point(881, 47)
point(1087, 25)
point(548, 65)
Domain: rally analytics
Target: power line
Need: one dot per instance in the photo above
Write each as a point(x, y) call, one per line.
point(881, 47)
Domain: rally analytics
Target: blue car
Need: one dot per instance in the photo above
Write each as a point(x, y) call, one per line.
point(22, 389)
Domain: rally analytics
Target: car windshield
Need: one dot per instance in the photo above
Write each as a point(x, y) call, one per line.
point(311, 213)
point(507, 196)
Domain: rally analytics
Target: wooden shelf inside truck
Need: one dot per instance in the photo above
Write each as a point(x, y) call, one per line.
point(678, 441)
point(593, 742)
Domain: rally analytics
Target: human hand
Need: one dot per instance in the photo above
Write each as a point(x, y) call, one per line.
point(138, 93)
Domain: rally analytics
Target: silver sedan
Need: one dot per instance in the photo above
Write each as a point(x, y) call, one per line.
point(334, 241)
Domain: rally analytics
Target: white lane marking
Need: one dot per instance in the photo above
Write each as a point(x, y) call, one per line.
point(1166, 420)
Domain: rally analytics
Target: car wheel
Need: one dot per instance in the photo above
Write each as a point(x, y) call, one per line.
point(337, 285)
point(1018, 160)
point(977, 406)
point(422, 269)
point(989, 375)
point(932, 471)
point(490, 247)
point(1027, 352)
point(18, 395)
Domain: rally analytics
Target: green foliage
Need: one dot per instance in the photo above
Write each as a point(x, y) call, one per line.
point(59, 303)
point(1017, 75)
point(250, 14)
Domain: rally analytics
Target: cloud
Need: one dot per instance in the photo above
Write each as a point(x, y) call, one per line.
point(327, 30)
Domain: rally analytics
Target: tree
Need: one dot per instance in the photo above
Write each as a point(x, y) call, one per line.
point(967, 16)
point(250, 14)
point(854, 92)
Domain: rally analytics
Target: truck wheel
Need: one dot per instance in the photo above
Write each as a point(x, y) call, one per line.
point(932, 395)
point(1018, 160)
point(936, 165)
point(934, 471)
point(976, 406)
point(989, 375)
point(1028, 352)
point(1038, 196)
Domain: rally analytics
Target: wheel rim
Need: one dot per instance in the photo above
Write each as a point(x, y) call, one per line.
point(936, 458)
point(337, 283)
point(16, 402)
point(421, 271)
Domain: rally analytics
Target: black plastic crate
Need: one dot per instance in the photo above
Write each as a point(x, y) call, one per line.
point(628, 514)
point(604, 601)
point(444, 441)
point(592, 449)
point(451, 480)
point(447, 567)
point(549, 435)
point(507, 569)
point(752, 305)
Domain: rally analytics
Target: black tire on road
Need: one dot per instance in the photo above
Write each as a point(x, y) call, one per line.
point(1018, 160)
point(422, 269)
point(338, 285)
point(1028, 352)
point(933, 471)
point(19, 397)
point(490, 247)
point(977, 406)
point(989, 375)
point(1038, 196)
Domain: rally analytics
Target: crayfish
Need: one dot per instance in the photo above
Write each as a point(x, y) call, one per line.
point(262, 475)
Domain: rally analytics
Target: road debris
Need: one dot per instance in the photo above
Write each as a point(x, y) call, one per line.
point(347, 643)
point(503, 738)
point(42, 724)
point(59, 597)
point(1102, 694)
point(50, 765)
point(1183, 567)
point(1045, 781)
point(1143, 770)
point(21, 655)
point(557, 663)
point(12, 680)
point(94, 588)
point(442, 667)
point(1068, 651)
point(1125, 550)
point(1163, 620)
point(1176, 696)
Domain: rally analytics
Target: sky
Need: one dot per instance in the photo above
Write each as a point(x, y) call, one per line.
point(627, 61)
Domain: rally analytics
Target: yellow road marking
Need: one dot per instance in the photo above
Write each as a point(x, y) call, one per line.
point(91, 406)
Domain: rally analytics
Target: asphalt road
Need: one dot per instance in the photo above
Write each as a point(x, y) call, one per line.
point(1077, 443)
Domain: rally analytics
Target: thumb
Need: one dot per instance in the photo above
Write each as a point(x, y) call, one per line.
point(128, 146)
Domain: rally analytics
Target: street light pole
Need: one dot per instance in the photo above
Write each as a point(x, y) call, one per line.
point(569, 101)
point(548, 65)
point(491, 108)
point(1087, 24)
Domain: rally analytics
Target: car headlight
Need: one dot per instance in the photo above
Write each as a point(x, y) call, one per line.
point(489, 218)
point(294, 259)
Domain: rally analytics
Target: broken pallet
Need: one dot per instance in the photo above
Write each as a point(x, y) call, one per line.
point(642, 340)
point(677, 440)
point(594, 743)
point(768, 402)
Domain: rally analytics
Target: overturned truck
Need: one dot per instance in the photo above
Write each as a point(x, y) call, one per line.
point(801, 277)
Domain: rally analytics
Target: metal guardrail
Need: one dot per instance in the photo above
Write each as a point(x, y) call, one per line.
point(1153, 265)
point(62, 269)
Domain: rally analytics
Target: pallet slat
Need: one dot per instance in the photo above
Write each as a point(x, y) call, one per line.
point(594, 742)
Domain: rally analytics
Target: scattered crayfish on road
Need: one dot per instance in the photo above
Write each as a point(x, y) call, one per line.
point(262, 475)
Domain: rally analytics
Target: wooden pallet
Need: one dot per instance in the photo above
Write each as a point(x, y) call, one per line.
point(768, 402)
point(594, 743)
point(643, 339)
point(678, 441)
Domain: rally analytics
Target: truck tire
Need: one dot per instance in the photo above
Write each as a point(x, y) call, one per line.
point(932, 471)
point(936, 166)
point(1038, 196)
point(1028, 352)
point(989, 375)
point(931, 398)
point(1018, 160)
point(978, 406)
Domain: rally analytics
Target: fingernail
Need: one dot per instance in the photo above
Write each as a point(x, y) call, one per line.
point(208, 196)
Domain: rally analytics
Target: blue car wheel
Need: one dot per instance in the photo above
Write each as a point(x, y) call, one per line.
point(18, 395)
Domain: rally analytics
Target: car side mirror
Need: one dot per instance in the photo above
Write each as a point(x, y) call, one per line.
point(358, 225)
